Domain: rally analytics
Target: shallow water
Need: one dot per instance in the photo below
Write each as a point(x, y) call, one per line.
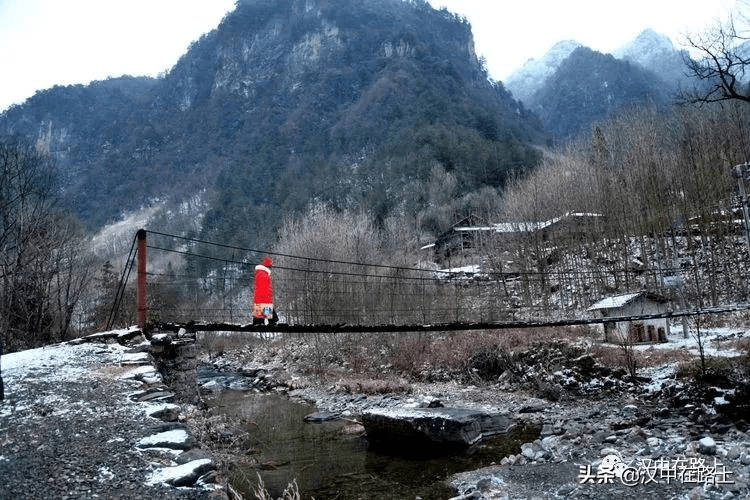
point(327, 463)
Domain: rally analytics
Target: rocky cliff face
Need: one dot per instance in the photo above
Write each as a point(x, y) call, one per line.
point(285, 91)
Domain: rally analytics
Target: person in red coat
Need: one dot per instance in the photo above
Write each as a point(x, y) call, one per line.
point(263, 310)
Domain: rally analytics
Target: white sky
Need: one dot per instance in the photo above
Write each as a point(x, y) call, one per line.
point(49, 42)
point(508, 33)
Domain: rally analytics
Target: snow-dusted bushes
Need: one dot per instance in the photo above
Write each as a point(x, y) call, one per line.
point(668, 214)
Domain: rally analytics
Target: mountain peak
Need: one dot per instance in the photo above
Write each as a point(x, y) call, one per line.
point(293, 92)
point(523, 82)
point(647, 45)
point(655, 52)
point(564, 48)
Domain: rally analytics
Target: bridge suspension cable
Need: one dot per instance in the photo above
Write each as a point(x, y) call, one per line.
point(200, 281)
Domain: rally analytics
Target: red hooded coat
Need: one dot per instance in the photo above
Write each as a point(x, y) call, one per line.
point(263, 293)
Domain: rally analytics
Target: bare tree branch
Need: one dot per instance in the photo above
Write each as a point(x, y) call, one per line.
point(722, 63)
point(41, 265)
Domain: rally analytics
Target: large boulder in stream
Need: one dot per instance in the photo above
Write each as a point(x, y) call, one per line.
point(429, 430)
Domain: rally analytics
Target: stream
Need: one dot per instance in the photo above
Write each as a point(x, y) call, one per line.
point(327, 462)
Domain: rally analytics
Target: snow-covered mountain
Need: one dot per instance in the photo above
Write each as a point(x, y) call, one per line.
point(655, 52)
point(589, 87)
point(532, 75)
point(649, 50)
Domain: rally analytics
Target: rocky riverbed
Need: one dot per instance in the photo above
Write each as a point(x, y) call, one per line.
point(602, 433)
point(96, 420)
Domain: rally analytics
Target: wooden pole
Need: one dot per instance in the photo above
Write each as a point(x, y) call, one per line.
point(141, 254)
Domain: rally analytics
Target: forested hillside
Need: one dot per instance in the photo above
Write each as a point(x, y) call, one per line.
point(288, 101)
point(589, 87)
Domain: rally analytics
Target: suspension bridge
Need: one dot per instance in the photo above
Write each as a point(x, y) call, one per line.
point(198, 285)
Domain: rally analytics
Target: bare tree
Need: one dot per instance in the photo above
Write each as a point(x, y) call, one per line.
point(700, 339)
point(723, 60)
point(40, 268)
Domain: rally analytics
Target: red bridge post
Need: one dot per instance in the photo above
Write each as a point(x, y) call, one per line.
point(141, 254)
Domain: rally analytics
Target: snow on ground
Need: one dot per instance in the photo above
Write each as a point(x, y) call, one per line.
point(91, 363)
point(70, 362)
point(60, 362)
point(716, 341)
point(67, 361)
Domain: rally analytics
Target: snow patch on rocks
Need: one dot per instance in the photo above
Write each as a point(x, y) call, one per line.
point(180, 475)
point(175, 437)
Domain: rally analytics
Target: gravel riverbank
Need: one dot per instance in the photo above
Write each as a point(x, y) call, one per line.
point(73, 422)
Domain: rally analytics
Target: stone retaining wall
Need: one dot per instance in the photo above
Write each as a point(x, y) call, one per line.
point(176, 360)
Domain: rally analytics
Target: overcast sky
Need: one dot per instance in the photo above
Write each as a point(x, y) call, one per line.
point(49, 42)
point(508, 34)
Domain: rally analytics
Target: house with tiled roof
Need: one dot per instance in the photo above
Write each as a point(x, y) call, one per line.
point(626, 311)
point(468, 231)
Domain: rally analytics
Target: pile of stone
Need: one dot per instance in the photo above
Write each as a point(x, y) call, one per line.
point(655, 445)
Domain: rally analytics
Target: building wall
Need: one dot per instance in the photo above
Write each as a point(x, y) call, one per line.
point(650, 330)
